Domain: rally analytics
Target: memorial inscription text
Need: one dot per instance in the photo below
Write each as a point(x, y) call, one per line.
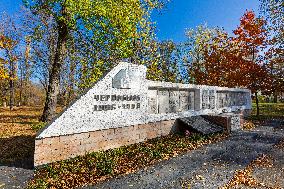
point(118, 102)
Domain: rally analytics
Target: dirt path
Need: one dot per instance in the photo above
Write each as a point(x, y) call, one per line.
point(214, 165)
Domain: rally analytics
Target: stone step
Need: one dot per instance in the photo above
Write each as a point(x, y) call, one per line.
point(201, 125)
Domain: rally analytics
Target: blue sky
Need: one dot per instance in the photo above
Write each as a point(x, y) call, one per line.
point(181, 14)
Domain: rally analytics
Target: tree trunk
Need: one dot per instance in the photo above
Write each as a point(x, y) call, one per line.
point(26, 86)
point(257, 104)
point(54, 76)
point(71, 81)
point(275, 97)
point(11, 84)
point(21, 86)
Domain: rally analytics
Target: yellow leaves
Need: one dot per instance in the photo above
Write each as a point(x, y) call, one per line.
point(199, 177)
point(3, 73)
point(7, 43)
point(245, 176)
point(263, 161)
point(17, 120)
point(241, 177)
point(248, 125)
point(3, 70)
point(280, 144)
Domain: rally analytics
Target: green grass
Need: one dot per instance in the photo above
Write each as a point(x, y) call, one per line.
point(268, 111)
point(38, 126)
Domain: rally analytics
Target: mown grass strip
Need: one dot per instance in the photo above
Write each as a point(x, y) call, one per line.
point(268, 111)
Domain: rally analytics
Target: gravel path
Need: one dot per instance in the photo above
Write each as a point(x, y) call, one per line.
point(211, 166)
point(12, 177)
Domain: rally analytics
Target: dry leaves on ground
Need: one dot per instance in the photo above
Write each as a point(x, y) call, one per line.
point(248, 125)
point(245, 177)
point(280, 144)
point(97, 166)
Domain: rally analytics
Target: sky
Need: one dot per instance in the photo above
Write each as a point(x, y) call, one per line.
point(180, 15)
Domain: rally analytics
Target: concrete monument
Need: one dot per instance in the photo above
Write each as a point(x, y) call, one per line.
point(125, 106)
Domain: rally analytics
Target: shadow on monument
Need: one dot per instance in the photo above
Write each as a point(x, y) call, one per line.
point(197, 124)
point(17, 151)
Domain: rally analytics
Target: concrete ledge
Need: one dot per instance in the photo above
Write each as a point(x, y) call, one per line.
point(58, 148)
point(224, 121)
point(51, 149)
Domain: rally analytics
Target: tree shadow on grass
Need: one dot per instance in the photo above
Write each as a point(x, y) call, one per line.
point(8, 118)
point(17, 151)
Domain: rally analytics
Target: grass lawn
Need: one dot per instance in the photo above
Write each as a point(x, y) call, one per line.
point(18, 129)
point(268, 111)
point(17, 136)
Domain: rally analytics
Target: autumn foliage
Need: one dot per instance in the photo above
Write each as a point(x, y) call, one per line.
point(234, 61)
point(5, 44)
point(3, 70)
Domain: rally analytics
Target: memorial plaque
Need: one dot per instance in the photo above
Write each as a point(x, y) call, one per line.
point(224, 99)
point(220, 100)
point(152, 102)
point(243, 99)
point(237, 99)
point(227, 99)
point(191, 100)
point(231, 98)
point(205, 99)
point(174, 101)
point(212, 99)
point(163, 100)
point(184, 100)
point(201, 125)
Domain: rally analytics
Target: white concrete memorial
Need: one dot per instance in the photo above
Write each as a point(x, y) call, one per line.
point(124, 97)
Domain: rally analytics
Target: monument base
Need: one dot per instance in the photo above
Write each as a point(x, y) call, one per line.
point(58, 148)
point(51, 149)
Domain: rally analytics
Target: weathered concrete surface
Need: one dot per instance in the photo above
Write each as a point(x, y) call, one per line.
point(211, 166)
